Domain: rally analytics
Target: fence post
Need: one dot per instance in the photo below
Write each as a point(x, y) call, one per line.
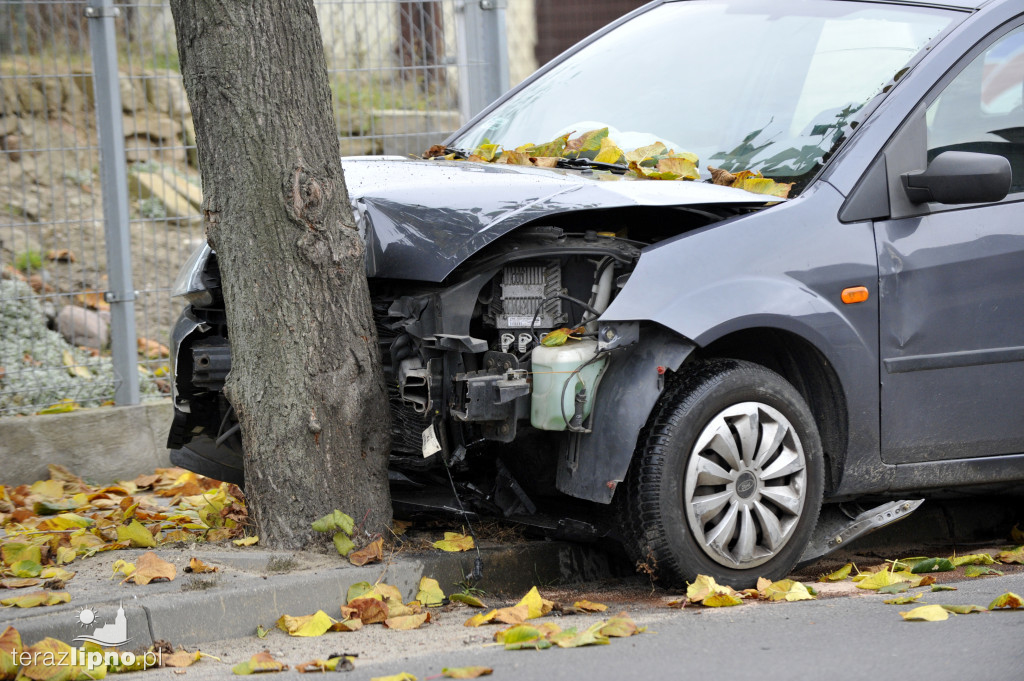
point(114, 180)
point(483, 50)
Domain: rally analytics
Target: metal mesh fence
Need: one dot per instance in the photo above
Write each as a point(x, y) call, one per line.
point(395, 66)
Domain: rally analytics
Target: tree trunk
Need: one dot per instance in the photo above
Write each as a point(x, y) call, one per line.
point(306, 380)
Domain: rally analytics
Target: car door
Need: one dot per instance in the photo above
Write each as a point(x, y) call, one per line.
point(951, 278)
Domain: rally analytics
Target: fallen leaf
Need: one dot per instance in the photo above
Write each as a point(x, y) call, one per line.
point(704, 586)
point(621, 626)
point(198, 567)
point(840, 574)
point(260, 662)
point(973, 559)
point(1012, 555)
point(1017, 535)
point(1008, 600)
point(261, 631)
point(943, 587)
point(722, 600)
point(41, 657)
point(341, 663)
point(371, 553)
point(19, 583)
point(903, 600)
point(535, 604)
point(151, 349)
point(36, 599)
point(316, 624)
point(466, 672)
point(926, 613)
point(407, 622)
point(588, 606)
point(10, 652)
point(880, 579)
point(516, 614)
point(246, 541)
point(25, 569)
point(430, 593)
point(468, 599)
point(897, 588)
point(932, 565)
point(348, 625)
point(61, 255)
point(361, 590)
point(590, 636)
point(788, 590)
point(370, 610)
point(136, 533)
point(964, 609)
point(123, 567)
point(454, 542)
point(480, 619)
point(150, 567)
point(181, 658)
point(523, 637)
point(401, 676)
point(980, 571)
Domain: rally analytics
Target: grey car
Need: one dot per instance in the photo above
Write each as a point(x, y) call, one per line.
point(744, 372)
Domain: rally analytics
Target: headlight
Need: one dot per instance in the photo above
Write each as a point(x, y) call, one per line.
point(189, 282)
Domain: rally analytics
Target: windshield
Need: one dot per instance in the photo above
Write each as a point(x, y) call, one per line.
point(763, 85)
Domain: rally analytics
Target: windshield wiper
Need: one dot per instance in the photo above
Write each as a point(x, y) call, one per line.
point(579, 163)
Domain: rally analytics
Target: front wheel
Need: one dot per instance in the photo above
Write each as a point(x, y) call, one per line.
point(727, 479)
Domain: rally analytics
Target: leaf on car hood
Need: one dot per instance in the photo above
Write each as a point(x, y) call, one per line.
point(587, 145)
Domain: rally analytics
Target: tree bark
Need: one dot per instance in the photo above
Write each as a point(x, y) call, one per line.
point(306, 381)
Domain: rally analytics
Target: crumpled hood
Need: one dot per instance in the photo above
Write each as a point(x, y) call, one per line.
point(422, 219)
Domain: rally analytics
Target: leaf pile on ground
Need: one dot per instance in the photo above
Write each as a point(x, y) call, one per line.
point(704, 590)
point(51, 523)
point(652, 162)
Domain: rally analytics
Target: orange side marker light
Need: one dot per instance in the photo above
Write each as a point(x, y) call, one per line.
point(855, 294)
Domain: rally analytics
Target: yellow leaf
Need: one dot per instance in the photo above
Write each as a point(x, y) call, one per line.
point(198, 567)
point(556, 338)
point(517, 614)
point(42, 658)
point(480, 618)
point(1007, 600)
point(466, 672)
point(964, 609)
point(406, 622)
point(150, 567)
point(10, 651)
point(19, 583)
point(454, 542)
point(926, 613)
point(610, 152)
point(536, 606)
point(523, 636)
point(316, 624)
point(136, 533)
point(348, 625)
point(36, 599)
point(972, 559)
point(181, 658)
point(586, 145)
point(430, 593)
point(54, 572)
point(401, 676)
point(621, 626)
point(590, 636)
point(50, 489)
point(123, 567)
point(260, 662)
point(788, 590)
point(468, 599)
point(722, 600)
point(1011, 556)
point(704, 586)
point(61, 407)
point(341, 663)
point(879, 579)
point(73, 367)
point(247, 541)
point(839, 575)
point(903, 600)
point(588, 606)
point(683, 167)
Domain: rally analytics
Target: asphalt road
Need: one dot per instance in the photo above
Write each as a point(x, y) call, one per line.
point(847, 635)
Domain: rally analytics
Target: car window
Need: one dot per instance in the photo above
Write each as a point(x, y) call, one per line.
point(982, 109)
point(767, 85)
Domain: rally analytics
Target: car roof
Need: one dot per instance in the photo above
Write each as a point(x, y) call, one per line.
point(951, 4)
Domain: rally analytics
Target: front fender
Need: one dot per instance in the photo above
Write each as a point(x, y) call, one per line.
point(594, 463)
point(781, 268)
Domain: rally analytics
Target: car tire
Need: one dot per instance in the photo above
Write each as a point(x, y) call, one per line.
point(709, 493)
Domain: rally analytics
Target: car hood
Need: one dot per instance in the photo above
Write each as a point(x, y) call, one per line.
point(422, 219)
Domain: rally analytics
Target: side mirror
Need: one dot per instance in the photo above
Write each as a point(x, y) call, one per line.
point(960, 177)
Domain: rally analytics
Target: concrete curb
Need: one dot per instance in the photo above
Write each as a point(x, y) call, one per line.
point(234, 610)
point(107, 443)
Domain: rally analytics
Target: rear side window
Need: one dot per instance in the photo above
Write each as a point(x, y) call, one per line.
point(982, 110)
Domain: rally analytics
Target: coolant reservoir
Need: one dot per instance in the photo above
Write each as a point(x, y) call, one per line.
point(552, 367)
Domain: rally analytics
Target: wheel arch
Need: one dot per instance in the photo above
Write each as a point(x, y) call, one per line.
point(808, 370)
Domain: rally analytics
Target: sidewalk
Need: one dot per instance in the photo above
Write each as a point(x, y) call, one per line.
point(255, 587)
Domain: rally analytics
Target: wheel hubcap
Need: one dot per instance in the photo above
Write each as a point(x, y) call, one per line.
point(745, 485)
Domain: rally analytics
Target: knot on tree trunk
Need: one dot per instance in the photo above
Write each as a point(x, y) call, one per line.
point(306, 197)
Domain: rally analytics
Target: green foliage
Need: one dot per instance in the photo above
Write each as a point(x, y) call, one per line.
point(27, 261)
